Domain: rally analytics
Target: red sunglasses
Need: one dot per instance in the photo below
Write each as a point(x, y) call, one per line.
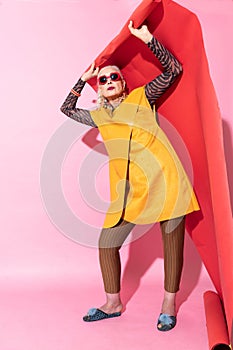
point(115, 76)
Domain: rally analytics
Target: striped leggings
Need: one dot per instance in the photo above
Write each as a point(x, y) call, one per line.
point(111, 240)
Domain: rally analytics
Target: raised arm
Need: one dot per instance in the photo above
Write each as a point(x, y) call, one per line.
point(172, 67)
point(68, 107)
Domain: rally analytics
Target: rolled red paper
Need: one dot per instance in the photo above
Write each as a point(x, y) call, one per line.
point(216, 322)
point(138, 17)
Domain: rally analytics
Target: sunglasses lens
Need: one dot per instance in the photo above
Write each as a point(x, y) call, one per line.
point(103, 79)
point(115, 76)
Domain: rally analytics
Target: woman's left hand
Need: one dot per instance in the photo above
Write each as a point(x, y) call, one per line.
point(142, 33)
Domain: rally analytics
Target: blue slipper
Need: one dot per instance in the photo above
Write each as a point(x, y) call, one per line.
point(97, 315)
point(166, 322)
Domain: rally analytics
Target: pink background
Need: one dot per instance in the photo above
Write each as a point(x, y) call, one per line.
point(48, 280)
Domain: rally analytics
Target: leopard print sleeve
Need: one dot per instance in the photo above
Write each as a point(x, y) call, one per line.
point(68, 107)
point(172, 68)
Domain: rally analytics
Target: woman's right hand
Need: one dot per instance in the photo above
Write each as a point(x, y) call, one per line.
point(90, 73)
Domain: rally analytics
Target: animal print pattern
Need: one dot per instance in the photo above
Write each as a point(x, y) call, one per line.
point(153, 90)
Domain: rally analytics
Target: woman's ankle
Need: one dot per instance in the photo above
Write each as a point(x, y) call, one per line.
point(111, 308)
point(113, 303)
point(169, 304)
point(113, 298)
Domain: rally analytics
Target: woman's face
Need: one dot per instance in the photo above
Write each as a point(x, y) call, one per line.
point(112, 85)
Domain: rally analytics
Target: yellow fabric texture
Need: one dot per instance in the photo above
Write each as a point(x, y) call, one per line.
point(140, 153)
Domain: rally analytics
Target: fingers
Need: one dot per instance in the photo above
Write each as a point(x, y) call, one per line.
point(130, 26)
point(133, 30)
point(144, 27)
point(92, 66)
point(91, 72)
point(96, 71)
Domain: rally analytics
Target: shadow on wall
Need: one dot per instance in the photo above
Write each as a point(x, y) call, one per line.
point(228, 150)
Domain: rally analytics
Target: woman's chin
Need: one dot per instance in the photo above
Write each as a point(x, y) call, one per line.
point(113, 96)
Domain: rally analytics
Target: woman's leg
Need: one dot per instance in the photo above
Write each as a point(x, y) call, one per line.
point(173, 245)
point(110, 242)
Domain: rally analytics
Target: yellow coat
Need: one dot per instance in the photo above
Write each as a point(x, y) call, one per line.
point(139, 151)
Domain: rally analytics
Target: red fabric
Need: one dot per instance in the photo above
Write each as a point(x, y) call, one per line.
point(191, 106)
point(215, 319)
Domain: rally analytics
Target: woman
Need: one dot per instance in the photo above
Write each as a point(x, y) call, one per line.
point(147, 181)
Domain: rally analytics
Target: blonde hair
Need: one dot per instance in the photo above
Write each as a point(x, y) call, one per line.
point(101, 100)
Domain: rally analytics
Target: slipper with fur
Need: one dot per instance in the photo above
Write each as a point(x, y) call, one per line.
point(166, 322)
point(97, 315)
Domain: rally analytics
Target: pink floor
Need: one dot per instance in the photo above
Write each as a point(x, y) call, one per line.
point(48, 313)
point(47, 281)
point(51, 319)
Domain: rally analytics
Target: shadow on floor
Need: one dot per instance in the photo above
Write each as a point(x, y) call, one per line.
point(144, 251)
